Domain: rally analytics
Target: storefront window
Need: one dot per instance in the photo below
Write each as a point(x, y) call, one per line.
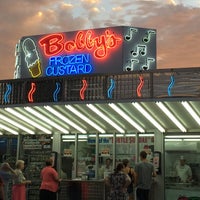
point(182, 168)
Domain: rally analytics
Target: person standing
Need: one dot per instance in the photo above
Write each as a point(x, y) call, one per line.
point(183, 171)
point(144, 172)
point(1, 190)
point(50, 182)
point(6, 173)
point(19, 182)
point(118, 183)
point(131, 173)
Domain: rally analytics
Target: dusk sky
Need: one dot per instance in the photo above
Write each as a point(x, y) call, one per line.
point(177, 23)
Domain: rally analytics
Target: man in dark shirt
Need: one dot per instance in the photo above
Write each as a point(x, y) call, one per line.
point(144, 173)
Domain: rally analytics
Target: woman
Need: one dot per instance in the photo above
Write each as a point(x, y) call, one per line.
point(118, 182)
point(50, 181)
point(131, 173)
point(19, 182)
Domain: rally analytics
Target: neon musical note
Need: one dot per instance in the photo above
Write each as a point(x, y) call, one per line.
point(129, 36)
point(7, 93)
point(147, 38)
point(140, 50)
point(31, 92)
point(171, 85)
point(111, 88)
point(148, 63)
point(140, 86)
point(56, 92)
point(83, 89)
point(130, 65)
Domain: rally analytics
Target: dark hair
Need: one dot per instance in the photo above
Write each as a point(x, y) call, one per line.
point(119, 167)
point(143, 154)
point(125, 162)
point(49, 162)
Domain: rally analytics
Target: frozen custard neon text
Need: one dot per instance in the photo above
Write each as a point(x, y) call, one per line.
point(55, 44)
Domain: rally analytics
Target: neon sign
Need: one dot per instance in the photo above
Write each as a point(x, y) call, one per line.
point(7, 93)
point(172, 82)
point(140, 86)
point(31, 92)
point(111, 88)
point(56, 92)
point(68, 65)
point(54, 44)
point(83, 89)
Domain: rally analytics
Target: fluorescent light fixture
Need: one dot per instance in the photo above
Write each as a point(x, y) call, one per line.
point(130, 135)
point(105, 135)
point(148, 116)
point(45, 119)
point(31, 122)
point(65, 119)
point(191, 111)
point(104, 117)
point(82, 136)
point(84, 118)
point(146, 135)
point(182, 136)
point(126, 117)
point(173, 140)
point(191, 140)
point(68, 137)
point(8, 129)
point(27, 130)
point(171, 116)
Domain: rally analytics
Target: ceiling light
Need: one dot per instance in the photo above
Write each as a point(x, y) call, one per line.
point(148, 116)
point(8, 129)
point(31, 122)
point(27, 130)
point(84, 118)
point(182, 136)
point(65, 119)
point(45, 119)
point(171, 116)
point(191, 111)
point(126, 117)
point(104, 117)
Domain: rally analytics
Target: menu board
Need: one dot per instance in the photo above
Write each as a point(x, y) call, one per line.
point(35, 149)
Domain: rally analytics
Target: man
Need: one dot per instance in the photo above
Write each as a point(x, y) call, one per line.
point(107, 168)
point(184, 171)
point(144, 172)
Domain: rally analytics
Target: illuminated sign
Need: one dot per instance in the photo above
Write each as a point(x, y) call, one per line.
point(95, 51)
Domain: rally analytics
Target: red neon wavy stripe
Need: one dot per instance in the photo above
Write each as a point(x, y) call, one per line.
point(83, 89)
point(140, 86)
point(31, 92)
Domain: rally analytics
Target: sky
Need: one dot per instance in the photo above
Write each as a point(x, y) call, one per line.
point(177, 23)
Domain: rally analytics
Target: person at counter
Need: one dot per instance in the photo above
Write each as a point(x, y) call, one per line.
point(50, 181)
point(183, 171)
point(144, 171)
point(118, 183)
point(107, 168)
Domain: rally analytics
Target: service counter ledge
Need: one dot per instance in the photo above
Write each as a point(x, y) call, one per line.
point(82, 190)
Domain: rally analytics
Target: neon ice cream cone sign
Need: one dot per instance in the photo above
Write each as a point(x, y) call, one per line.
point(32, 57)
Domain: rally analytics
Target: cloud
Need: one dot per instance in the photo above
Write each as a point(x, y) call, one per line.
point(177, 25)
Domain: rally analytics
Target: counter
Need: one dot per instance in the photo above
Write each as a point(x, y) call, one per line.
point(82, 190)
point(174, 190)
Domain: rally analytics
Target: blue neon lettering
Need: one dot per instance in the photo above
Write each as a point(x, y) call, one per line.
point(68, 65)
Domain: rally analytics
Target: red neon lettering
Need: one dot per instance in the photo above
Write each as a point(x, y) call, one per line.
point(31, 92)
point(54, 44)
